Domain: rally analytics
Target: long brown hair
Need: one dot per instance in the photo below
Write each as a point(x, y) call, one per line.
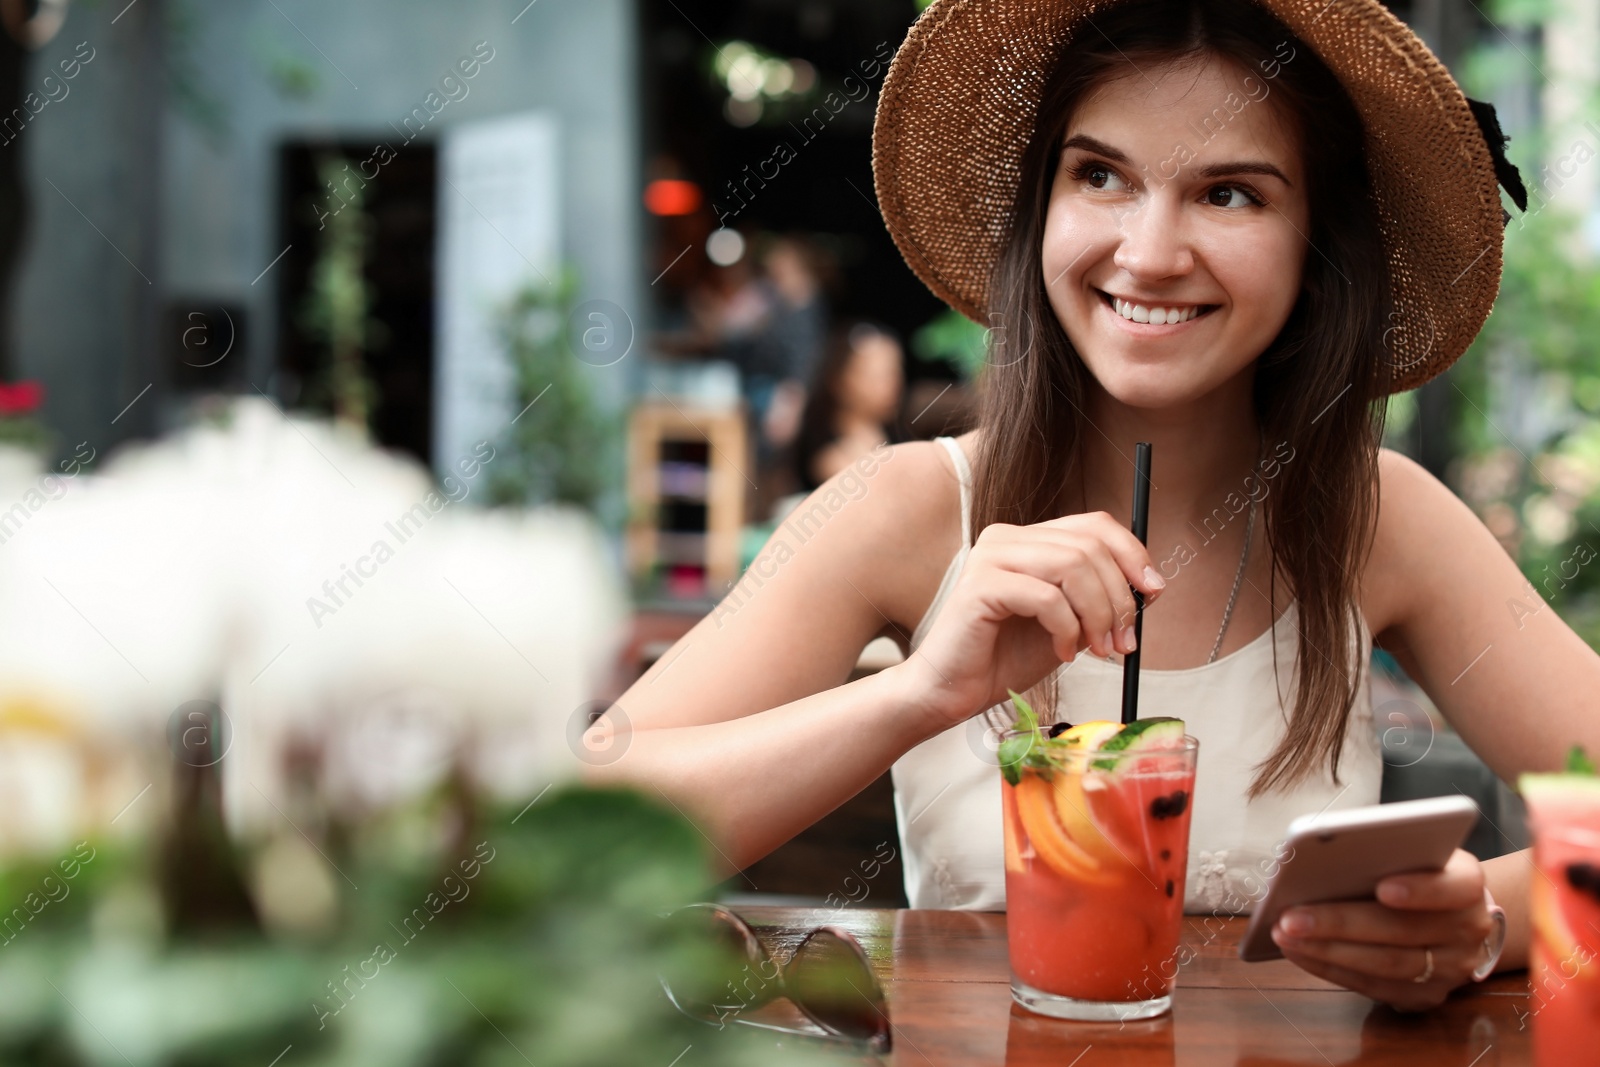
point(1318, 386)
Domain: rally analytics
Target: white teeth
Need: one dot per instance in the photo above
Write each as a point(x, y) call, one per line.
point(1159, 316)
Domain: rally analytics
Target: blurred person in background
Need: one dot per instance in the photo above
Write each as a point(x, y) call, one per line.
point(772, 324)
point(854, 404)
point(726, 311)
point(790, 347)
point(765, 314)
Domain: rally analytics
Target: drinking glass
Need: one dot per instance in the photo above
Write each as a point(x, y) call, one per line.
point(1096, 849)
point(1564, 957)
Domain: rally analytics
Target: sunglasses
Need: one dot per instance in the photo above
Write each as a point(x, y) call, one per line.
point(828, 978)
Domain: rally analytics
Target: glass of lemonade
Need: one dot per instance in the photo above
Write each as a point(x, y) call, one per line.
point(1564, 904)
point(1096, 849)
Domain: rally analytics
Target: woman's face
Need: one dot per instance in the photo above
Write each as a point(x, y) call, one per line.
point(873, 377)
point(1178, 188)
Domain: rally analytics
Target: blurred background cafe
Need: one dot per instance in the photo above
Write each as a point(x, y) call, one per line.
point(384, 386)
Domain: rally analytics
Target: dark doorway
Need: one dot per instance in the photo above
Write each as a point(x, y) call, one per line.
point(397, 266)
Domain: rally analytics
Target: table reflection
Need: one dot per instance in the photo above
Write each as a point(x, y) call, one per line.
point(1035, 1039)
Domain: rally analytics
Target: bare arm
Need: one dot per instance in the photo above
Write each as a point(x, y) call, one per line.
point(1512, 678)
point(1507, 878)
point(1508, 674)
point(1516, 683)
point(746, 723)
point(754, 782)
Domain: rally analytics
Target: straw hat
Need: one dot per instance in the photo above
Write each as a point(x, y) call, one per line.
point(957, 109)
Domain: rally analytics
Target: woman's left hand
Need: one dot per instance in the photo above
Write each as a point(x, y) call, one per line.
point(1379, 948)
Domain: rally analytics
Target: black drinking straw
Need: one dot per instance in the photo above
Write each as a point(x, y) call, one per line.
point(1141, 523)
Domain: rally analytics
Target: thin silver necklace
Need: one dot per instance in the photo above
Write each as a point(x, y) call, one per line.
point(1249, 530)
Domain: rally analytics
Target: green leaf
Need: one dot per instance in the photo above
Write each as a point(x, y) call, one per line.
point(952, 338)
point(1030, 747)
point(1013, 750)
point(1578, 762)
point(1026, 718)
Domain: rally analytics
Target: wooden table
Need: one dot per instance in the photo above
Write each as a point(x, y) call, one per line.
point(947, 981)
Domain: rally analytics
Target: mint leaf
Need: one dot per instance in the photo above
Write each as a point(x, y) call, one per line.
point(1578, 762)
point(1026, 719)
point(1026, 748)
point(1013, 750)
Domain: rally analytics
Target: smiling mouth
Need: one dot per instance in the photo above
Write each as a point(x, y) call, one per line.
point(1169, 315)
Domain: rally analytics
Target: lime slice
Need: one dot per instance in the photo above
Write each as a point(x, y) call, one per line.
point(1160, 732)
point(1562, 798)
point(1141, 735)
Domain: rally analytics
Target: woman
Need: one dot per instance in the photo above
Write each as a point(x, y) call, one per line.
point(854, 402)
point(1321, 239)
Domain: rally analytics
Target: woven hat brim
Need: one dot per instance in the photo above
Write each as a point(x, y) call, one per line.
point(957, 109)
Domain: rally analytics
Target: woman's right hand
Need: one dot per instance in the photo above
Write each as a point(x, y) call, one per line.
point(1029, 599)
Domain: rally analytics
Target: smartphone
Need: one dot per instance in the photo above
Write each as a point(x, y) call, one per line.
point(1343, 855)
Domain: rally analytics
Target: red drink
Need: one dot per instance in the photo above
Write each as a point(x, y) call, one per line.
point(1564, 899)
point(1097, 846)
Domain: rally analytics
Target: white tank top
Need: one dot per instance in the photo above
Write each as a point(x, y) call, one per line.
point(947, 789)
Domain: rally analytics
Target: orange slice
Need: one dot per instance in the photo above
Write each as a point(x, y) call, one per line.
point(1072, 808)
point(1551, 925)
point(1037, 809)
point(1009, 821)
point(1091, 734)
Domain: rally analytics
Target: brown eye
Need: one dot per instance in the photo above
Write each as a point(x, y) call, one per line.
point(1098, 175)
point(1246, 194)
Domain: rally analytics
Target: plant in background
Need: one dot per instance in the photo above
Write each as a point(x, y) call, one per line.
point(478, 935)
point(566, 448)
point(1531, 469)
point(336, 310)
point(950, 337)
point(191, 97)
point(290, 72)
point(19, 423)
point(762, 86)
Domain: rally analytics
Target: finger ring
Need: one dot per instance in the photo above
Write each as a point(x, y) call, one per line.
point(1427, 970)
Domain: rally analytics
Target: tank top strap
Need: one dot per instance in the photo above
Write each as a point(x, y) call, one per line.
point(964, 476)
point(953, 571)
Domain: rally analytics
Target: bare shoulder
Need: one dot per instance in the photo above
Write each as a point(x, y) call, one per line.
point(1399, 476)
point(848, 564)
point(1419, 517)
point(905, 541)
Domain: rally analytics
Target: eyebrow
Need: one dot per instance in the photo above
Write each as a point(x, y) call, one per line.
point(1091, 144)
point(1242, 166)
point(1211, 170)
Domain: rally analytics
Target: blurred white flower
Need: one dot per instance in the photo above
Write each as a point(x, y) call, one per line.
point(191, 568)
